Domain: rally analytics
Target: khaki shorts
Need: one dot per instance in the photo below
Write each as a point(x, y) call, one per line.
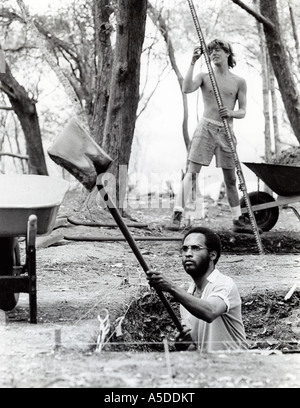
point(210, 140)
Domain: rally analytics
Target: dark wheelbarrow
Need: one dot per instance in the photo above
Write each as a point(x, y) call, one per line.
point(284, 181)
point(28, 207)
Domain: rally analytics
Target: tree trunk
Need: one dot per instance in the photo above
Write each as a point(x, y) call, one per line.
point(125, 86)
point(104, 53)
point(266, 93)
point(269, 17)
point(266, 97)
point(295, 33)
point(25, 109)
point(275, 112)
point(280, 63)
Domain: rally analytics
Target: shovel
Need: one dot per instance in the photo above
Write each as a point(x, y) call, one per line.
point(78, 153)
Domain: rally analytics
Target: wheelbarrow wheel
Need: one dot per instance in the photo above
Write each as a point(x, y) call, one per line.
point(267, 218)
point(9, 258)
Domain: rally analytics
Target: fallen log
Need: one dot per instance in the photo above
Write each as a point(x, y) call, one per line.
point(103, 238)
point(78, 222)
point(274, 243)
point(49, 240)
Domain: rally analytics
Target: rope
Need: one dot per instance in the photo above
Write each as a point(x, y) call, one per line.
point(229, 135)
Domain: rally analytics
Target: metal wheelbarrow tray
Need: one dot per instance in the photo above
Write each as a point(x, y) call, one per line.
point(283, 180)
point(28, 207)
point(22, 196)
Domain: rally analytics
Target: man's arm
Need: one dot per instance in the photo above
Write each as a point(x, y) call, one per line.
point(205, 310)
point(242, 100)
point(190, 84)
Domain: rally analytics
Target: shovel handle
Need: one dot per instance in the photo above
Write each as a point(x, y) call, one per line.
point(123, 227)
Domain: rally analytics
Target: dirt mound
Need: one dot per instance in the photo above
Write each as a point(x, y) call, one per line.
point(289, 157)
point(270, 323)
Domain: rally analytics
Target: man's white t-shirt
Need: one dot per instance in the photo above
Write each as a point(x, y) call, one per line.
point(227, 332)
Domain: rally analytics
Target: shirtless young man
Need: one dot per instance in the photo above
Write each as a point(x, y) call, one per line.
point(210, 136)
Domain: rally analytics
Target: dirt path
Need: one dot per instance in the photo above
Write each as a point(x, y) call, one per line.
point(70, 368)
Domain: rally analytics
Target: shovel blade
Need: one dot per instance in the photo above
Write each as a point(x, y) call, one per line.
point(79, 154)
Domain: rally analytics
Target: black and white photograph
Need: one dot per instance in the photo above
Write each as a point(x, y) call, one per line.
point(149, 197)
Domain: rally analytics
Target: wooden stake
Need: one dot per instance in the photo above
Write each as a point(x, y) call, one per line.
point(168, 359)
point(58, 342)
point(291, 291)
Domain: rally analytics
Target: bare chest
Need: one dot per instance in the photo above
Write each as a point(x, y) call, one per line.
point(228, 88)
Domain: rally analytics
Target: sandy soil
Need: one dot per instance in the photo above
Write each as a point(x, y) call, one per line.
point(77, 280)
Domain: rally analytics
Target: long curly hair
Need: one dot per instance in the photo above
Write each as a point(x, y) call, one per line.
point(226, 47)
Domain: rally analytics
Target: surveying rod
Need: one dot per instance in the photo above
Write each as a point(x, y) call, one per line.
point(218, 96)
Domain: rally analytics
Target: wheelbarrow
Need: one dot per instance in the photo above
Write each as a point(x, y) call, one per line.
point(28, 207)
point(283, 180)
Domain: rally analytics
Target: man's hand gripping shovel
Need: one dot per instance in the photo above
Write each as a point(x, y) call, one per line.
point(78, 153)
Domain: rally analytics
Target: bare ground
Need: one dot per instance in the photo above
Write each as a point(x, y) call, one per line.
point(78, 279)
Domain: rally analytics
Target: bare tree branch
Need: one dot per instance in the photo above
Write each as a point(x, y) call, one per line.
point(5, 89)
point(10, 15)
point(254, 13)
point(160, 22)
point(6, 108)
point(56, 42)
point(16, 156)
point(152, 93)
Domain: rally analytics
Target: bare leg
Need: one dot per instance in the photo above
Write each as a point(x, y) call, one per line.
point(187, 185)
point(240, 223)
point(231, 188)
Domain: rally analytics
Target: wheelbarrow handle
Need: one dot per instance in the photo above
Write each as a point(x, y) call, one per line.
point(123, 227)
point(32, 231)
